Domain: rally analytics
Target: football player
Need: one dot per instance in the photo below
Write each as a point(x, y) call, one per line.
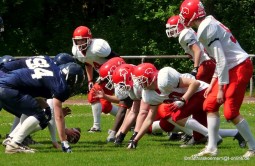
point(93, 52)
point(124, 86)
point(233, 71)
point(42, 78)
point(204, 66)
point(14, 64)
point(182, 91)
point(105, 81)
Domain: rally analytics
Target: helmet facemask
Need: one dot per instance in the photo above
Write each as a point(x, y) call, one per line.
point(142, 81)
point(82, 43)
point(122, 89)
point(109, 84)
point(73, 78)
point(172, 31)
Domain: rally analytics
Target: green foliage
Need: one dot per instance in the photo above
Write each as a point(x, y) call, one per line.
point(131, 27)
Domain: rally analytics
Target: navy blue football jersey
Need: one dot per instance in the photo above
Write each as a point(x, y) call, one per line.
point(22, 63)
point(37, 76)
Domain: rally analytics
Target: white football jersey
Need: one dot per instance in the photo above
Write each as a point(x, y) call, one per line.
point(96, 53)
point(187, 38)
point(210, 30)
point(168, 85)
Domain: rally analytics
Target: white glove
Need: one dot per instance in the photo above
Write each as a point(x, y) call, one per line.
point(66, 147)
point(177, 104)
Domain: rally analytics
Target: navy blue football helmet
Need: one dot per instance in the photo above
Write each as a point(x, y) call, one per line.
point(63, 58)
point(74, 75)
point(6, 58)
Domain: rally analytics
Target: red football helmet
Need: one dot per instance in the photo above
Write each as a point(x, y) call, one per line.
point(191, 10)
point(107, 69)
point(122, 78)
point(82, 37)
point(144, 74)
point(173, 26)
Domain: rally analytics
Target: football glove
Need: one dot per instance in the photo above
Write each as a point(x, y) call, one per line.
point(132, 144)
point(177, 104)
point(194, 71)
point(66, 147)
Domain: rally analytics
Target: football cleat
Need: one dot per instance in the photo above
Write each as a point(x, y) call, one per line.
point(29, 141)
point(6, 141)
point(93, 130)
point(185, 138)
point(192, 142)
point(207, 152)
point(249, 153)
point(240, 139)
point(119, 139)
point(111, 136)
point(13, 147)
point(175, 136)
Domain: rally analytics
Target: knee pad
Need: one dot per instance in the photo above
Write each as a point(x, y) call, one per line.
point(43, 117)
point(230, 115)
point(106, 106)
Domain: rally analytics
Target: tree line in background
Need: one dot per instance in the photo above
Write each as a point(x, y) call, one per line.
point(132, 27)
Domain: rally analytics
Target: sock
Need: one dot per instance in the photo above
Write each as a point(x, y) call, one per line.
point(213, 124)
point(196, 126)
point(245, 131)
point(15, 123)
point(96, 111)
point(228, 132)
point(28, 126)
point(50, 103)
point(114, 110)
point(184, 129)
point(121, 136)
point(16, 129)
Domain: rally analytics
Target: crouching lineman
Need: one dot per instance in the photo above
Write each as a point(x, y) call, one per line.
point(42, 78)
point(181, 90)
point(7, 64)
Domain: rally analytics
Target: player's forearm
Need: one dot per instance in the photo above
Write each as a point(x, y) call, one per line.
point(147, 123)
point(60, 127)
point(89, 72)
point(112, 99)
point(193, 87)
point(197, 54)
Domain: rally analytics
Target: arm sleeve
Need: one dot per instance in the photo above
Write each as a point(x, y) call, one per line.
point(221, 63)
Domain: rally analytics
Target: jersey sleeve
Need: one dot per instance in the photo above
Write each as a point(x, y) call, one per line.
point(101, 48)
point(170, 79)
point(190, 38)
point(207, 32)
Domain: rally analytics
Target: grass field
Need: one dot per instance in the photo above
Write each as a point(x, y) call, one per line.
point(92, 148)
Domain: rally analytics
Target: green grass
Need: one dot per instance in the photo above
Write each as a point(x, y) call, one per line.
point(92, 148)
